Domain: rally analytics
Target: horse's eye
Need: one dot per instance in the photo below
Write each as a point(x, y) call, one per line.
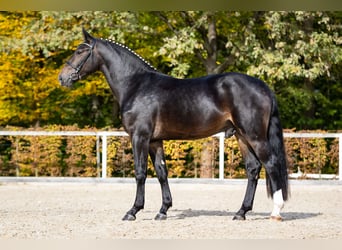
point(78, 52)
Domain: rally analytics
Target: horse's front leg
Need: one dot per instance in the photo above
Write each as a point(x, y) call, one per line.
point(140, 151)
point(158, 159)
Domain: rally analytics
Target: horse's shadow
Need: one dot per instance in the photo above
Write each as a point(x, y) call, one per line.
point(287, 216)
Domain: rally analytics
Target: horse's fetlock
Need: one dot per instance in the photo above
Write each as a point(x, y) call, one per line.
point(167, 203)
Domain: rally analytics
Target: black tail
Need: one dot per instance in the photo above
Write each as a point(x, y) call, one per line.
point(275, 137)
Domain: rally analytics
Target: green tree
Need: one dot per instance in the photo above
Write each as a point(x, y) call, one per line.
point(299, 59)
point(297, 53)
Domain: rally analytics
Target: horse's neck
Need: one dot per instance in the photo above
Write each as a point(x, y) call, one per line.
point(120, 72)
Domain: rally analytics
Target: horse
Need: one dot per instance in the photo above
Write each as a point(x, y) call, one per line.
point(156, 107)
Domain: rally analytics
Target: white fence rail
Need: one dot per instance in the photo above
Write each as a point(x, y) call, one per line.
point(104, 134)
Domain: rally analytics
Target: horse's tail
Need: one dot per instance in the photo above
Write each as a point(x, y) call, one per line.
point(276, 140)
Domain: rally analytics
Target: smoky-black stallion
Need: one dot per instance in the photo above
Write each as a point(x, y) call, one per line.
point(156, 107)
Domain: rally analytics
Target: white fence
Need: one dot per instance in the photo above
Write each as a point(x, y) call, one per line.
point(104, 134)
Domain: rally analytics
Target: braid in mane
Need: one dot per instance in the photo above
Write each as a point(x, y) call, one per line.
point(113, 43)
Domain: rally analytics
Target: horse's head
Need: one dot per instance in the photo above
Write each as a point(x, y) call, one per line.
point(81, 63)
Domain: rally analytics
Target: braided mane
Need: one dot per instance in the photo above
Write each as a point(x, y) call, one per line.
point(113, 43)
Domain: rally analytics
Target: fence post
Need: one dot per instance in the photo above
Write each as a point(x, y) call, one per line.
point(221, 156)
point(98, 156)
point(17, 170)
point(104, 156)
point(340, 157)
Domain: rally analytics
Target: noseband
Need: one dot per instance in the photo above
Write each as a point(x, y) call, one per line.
point(75, 75)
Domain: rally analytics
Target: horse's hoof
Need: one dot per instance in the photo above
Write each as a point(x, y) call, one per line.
point(160, 216)
point(276, 218)
point(129, 217)
point(239, 217)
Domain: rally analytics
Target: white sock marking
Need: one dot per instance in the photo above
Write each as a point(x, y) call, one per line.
point(278, 203)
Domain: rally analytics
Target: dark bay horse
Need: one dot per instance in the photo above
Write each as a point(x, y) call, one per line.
point(156, 107)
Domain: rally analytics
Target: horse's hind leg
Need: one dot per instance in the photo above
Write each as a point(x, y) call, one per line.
point(253, 167)
point(273, 176)
point(158, 159)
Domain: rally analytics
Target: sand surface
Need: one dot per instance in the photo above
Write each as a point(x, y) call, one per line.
point(64, 210)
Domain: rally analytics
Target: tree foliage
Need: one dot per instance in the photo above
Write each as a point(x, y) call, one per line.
point(297, 53)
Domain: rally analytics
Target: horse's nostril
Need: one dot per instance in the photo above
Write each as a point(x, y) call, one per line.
point(60, 79)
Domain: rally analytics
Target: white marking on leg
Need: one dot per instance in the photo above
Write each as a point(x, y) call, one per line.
point(278, 203)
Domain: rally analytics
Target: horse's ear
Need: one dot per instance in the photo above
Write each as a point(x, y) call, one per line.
point(87, 37)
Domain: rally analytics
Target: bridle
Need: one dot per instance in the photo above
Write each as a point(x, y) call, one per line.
point(75, 75)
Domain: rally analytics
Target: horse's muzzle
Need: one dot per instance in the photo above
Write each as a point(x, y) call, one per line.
point(65, 81)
